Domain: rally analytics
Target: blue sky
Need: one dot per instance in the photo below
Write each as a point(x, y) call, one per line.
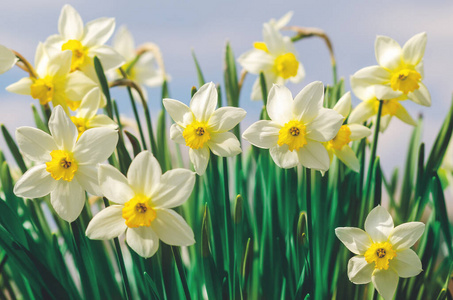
point(205, 26)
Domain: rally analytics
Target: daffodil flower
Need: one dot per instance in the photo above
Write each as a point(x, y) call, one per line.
point(282, 22)
point(145, 199)
point(54, 82)
point(369, 106)
point(7, 59)
point(383, 251)
point(203, 128)
point(86, 116)
point(339, 145)
point(297, 128)
point(399, 73)
point(276, 57)
point(85, 42)
point(70, 166)
point(142, 69)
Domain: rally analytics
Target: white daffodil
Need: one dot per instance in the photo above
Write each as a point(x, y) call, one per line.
point(85, 42)
point(143, 68)
point(202, 127)
point(399, 73)
point(339, 145)
point(297, 127)
point(54, 82)
point(70, 164)
point(7, 59)
point(86, 116)
point(276, 57)
point(145, 199)
point(383, 251)
point(369, 106)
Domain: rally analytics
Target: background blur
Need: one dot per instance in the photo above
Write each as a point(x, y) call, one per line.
point(205, 26)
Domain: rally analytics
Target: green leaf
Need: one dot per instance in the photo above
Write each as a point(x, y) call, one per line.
point(134, 142)
point(39, 122)
point(14, 149)
point(104, 85)
point(201, 80)
point(231, 78)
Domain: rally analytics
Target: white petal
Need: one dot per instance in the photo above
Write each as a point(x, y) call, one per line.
point(108, 56)
point(325, 126)
point(385, 121)
point(225, 118)
point(355, 239)
point(385, 92)
point(172, 229)
point(256, 61)
point(35, 144)
point(60, 64)
point(358, 131)
point(21, 87)
point(403, 115)
point(35, 183)
point(62, 129)
point(68, 199)
point(362, 112)
point(176, 134)
point(42, 58)
point(95, 145)
point(204, 102)
point(274, 40)
point(102, 121)
point(308, 102)
point(70, 24)
point(175, 187)
point(279, 104)
point(283, 157)
point(7, 59)
point(87, 176)
point(178, 111)
point(142, 240)
point(348, 157)
point(90, 104)
point(343, 106)
point(144, 174)
point(406, 263)
point(421, 95)
point(388, 52)
point(78, 85)
point(414, 49)
point(124, 43)
point(97, 32)
point(283, 21)
point(262, 134)
point(224, 144)
point(362, 89)
point(379, 224)
point(313, 155)
point(385, 282)
point(371, 75)
point(107, 224)
point(359, 271)
point(406, 235)
point(114, 185)
point(199, 159)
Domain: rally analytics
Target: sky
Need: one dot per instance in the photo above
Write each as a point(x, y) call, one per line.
point(205, 26)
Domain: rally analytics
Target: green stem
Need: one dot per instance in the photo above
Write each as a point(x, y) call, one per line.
point(182, 275)
point(228, 226)
point(310, 228)
point(137, 118)
point(119, 257)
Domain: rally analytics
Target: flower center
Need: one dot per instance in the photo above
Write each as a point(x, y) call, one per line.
point(292, 134)
point(389, 107)
point(196, 134)
point(380, 254)
point(79, 53)
point(62, 166)
point(342, 138)
point(81, 125)
point(261, 46)
point(286, 65)
point(43, 89)
point(405, 80)
point(138, 212)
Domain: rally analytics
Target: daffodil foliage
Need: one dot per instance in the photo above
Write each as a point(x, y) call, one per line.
point(205, 202)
